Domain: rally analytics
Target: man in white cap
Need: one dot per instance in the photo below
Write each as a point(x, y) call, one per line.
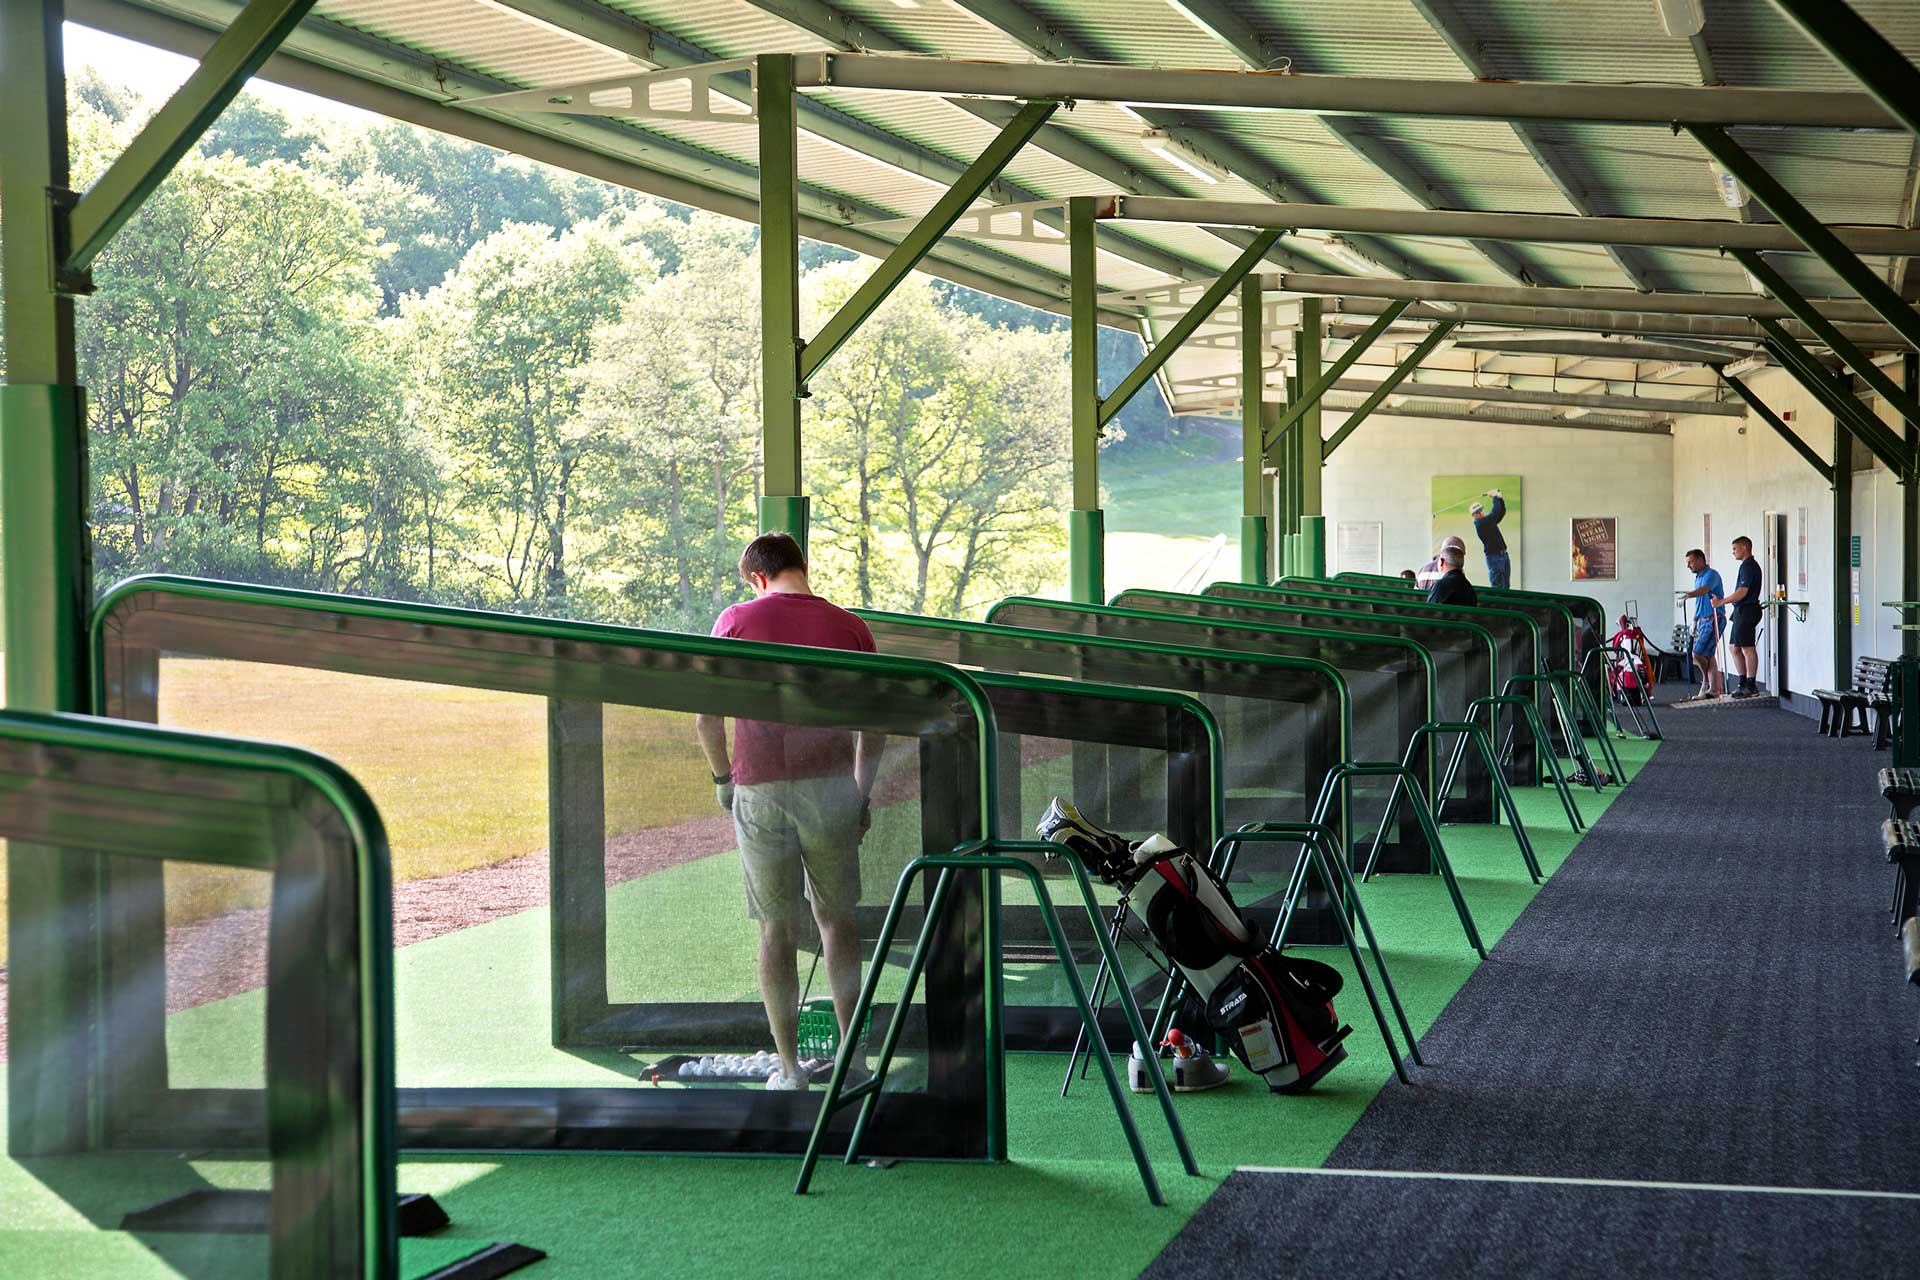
point(1435, 569)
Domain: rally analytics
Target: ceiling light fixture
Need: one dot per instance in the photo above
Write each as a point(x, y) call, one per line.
point(1732, 193)
point(1183, 157)
point(1682, 19)
point(1348, 256)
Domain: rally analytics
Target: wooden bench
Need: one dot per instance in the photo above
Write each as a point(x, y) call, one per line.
point(1900, 788)
point(1843, 712)
point(1902, 842)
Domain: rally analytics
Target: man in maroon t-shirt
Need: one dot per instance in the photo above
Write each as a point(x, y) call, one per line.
point(798, 796)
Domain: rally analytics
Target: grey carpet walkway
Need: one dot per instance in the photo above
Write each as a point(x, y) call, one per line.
point(1706, 992)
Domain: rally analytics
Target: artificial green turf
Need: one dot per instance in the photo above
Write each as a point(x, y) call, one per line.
point(1069, 1203)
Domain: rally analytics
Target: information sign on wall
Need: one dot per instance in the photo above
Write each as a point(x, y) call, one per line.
point(1595, 548)
point(1356, 547)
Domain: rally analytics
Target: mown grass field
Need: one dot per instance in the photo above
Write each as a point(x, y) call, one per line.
point(460, 775)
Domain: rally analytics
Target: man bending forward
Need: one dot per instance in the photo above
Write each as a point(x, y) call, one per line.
point(798, 796)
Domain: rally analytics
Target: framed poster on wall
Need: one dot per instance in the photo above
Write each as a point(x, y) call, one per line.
point(1596, 548)
point(1483, 512)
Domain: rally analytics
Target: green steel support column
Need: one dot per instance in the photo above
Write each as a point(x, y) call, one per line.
point(1086, 527)
point(1842, 556)
point(249, 40)
point(1358, 347)
point(1313, 546)
point(1810, 231)
point(1253, 488)
point(1385, 389)
point(1910, 518)
point(782, 504)
point(1312, 452)
point(1273, 489)
point(48, 587)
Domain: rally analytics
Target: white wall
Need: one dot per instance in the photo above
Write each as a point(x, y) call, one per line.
point(1737, 477)
point(1384, 469)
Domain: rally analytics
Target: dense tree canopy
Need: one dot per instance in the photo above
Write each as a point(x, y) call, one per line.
point(379, 360)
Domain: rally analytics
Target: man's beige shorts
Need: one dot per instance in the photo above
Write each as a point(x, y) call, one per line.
point(799, 839)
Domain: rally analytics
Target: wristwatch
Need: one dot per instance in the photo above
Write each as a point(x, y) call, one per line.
point(722, 779)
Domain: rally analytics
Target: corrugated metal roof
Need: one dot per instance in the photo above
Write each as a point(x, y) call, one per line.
point(1096, 148)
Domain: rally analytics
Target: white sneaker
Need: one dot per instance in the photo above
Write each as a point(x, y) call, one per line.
point(781, 1082)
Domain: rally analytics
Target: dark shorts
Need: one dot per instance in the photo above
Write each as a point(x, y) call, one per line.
point(1746, 623)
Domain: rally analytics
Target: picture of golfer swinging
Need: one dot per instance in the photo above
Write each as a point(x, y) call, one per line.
point(1708, 626)
point(1475, 509)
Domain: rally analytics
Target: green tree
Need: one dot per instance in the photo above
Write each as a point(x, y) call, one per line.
point(493, 355)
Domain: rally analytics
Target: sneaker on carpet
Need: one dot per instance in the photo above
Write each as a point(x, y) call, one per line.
point(1187, 1067)
point(781, 1082)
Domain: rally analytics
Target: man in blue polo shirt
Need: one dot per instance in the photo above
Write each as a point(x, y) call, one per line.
point(1707, 624)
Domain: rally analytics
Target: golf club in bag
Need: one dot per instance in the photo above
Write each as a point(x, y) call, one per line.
point(1275, 1012)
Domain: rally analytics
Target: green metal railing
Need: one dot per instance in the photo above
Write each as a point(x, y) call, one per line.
point(90, 792)
point(991, 856)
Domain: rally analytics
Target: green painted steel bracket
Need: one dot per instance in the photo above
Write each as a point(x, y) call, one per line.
point(1311, 395)
point(1196, 315)
point(255, 33)
point(1464, 732)
point(1836, 396)
point(1772, 419)
point(1321, 847)
point(1386, 388)
point(993, 856)
point(1339, 780)
point(1901, 398)
point(1879, 67)
point(925, 235)
point(1809, 230)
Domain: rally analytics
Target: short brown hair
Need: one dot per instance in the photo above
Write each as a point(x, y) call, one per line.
point(1695, 552)
point(1743, 541)
point(772, 554)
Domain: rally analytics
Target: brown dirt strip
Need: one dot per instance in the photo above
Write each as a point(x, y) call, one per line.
point(225, 955)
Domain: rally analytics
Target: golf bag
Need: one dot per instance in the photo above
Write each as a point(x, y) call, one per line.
point(1275, 1012)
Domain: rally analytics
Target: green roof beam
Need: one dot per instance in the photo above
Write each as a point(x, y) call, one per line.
point(255, 33)
point(1810, 231)
point(1833, 393)
point(1319, 387)
point(1780, 428)
point(925, 235)
point(1879, 67)
point(1385, 389)
point(1198, 314)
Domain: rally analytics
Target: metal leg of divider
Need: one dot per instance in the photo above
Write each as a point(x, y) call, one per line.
point(1313, 853)
point(1530, 714)
point(1324, 849)
point(1101, 976)
point(1462, 731)
point(1576, 737)
point(868, 1091)
point(837, 1092)
point(1129, 1007)
point(1340, 774)
point(1586, 707)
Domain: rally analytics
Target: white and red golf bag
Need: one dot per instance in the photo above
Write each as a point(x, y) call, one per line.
point(1275, 1012)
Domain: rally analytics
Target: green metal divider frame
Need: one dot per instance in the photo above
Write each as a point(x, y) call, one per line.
point(1339, 780)
point(1067, 643)
point(989, 856)
point(1572, 712)
point(1529, 710)
point(1134, 597)
point(1492, 598)
point(546, 637)
point(229, 802)
point(1317, 845)
point(1466, 731)
point(1119, 611)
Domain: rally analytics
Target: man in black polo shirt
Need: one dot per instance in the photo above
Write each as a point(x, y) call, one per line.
point(1452, 586)
point(1743, 634)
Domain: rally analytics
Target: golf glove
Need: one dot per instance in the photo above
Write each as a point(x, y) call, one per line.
point(723, 793)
